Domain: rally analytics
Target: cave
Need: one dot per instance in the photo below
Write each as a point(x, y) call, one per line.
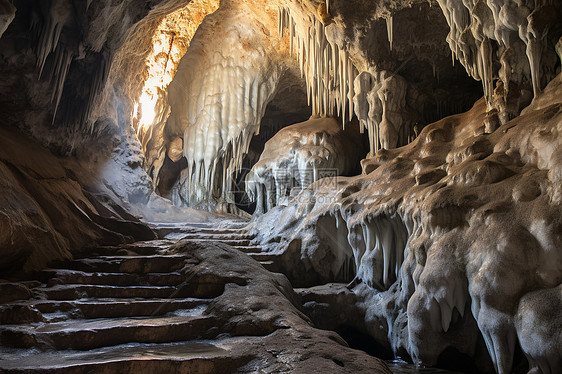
point(285, 186)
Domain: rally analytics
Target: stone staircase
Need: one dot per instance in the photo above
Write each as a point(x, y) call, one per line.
point(131, 302)
point(195, 306)
point(133, 299)
point(237, 238)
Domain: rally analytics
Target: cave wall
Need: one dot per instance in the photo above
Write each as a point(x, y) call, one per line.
point(52, 210)
point(73, 165)
point(453, 237)
point(342, 59)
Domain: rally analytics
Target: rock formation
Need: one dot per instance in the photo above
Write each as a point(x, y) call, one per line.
point(448, 234)
point(299, 155)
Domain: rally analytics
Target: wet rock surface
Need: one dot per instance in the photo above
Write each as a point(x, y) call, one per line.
point(197, 305)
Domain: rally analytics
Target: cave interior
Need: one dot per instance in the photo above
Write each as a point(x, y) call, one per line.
point(248, 186)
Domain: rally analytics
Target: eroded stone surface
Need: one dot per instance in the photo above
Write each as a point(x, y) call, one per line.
point(447, 235)
point(222, 312)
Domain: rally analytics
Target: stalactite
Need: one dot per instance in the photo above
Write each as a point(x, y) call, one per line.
point(57, 75)
point(380, 106)
point(327, 69)
point(485, 69)
point(389, 30)
point(534, 55)
point(54, 19)
point(54, 57)
point(520, 27)
point(221, 120)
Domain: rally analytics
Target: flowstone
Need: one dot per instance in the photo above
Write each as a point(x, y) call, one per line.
point(299, 155)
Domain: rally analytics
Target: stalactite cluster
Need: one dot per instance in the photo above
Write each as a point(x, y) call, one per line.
point(217, 99)
point(453, 238)
point(299, 155)
point(514, 33)
point(336, 87)
point(326, 67)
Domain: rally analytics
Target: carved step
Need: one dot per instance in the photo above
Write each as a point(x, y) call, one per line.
point(184, 357)
point(248, 249)
point(125, 264)
point(90, 334)
point(163, 231)
point(116, 307)
point(64, 276)
point(230, 240)
point(195, 289)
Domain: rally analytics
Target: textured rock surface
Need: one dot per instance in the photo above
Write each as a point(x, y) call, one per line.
point(193, 306)
point(331, 55)
point(47, 214)
point(299, 155)
point(7, 14)
point(448, 235)
point(450, 241)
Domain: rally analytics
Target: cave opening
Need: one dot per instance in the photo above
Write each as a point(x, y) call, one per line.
point(280, 186)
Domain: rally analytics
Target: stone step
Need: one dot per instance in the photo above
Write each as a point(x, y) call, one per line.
point(208, 235)
point(64, 276)
point(219, 236)
point(184, 357)
point(79, 291)
point(163, 232)
point(116, 307)
point(145, 248)
point(233, 241)
point(269, 265)
point(263, 256)
point(125, 264)
point(248, 249)
point(96, 333)
point(204, 290)
point(216, 231)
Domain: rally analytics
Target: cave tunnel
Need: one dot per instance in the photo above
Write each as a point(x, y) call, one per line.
point(244, 186)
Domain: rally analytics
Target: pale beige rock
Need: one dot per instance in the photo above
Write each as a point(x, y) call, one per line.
point(175, 149)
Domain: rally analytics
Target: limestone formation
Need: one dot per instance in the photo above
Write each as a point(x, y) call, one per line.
point(450, 236)
point(299, 155)
point(7, 14)
point(125, 119)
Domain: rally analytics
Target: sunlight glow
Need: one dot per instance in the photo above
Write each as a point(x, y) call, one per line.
point(169, 43)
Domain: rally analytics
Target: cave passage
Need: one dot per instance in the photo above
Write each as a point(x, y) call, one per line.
point(244, 186)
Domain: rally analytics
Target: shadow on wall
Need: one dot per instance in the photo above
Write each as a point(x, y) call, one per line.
point(47, 213)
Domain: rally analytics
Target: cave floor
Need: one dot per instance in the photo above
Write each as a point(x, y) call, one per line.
point(196, 305)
